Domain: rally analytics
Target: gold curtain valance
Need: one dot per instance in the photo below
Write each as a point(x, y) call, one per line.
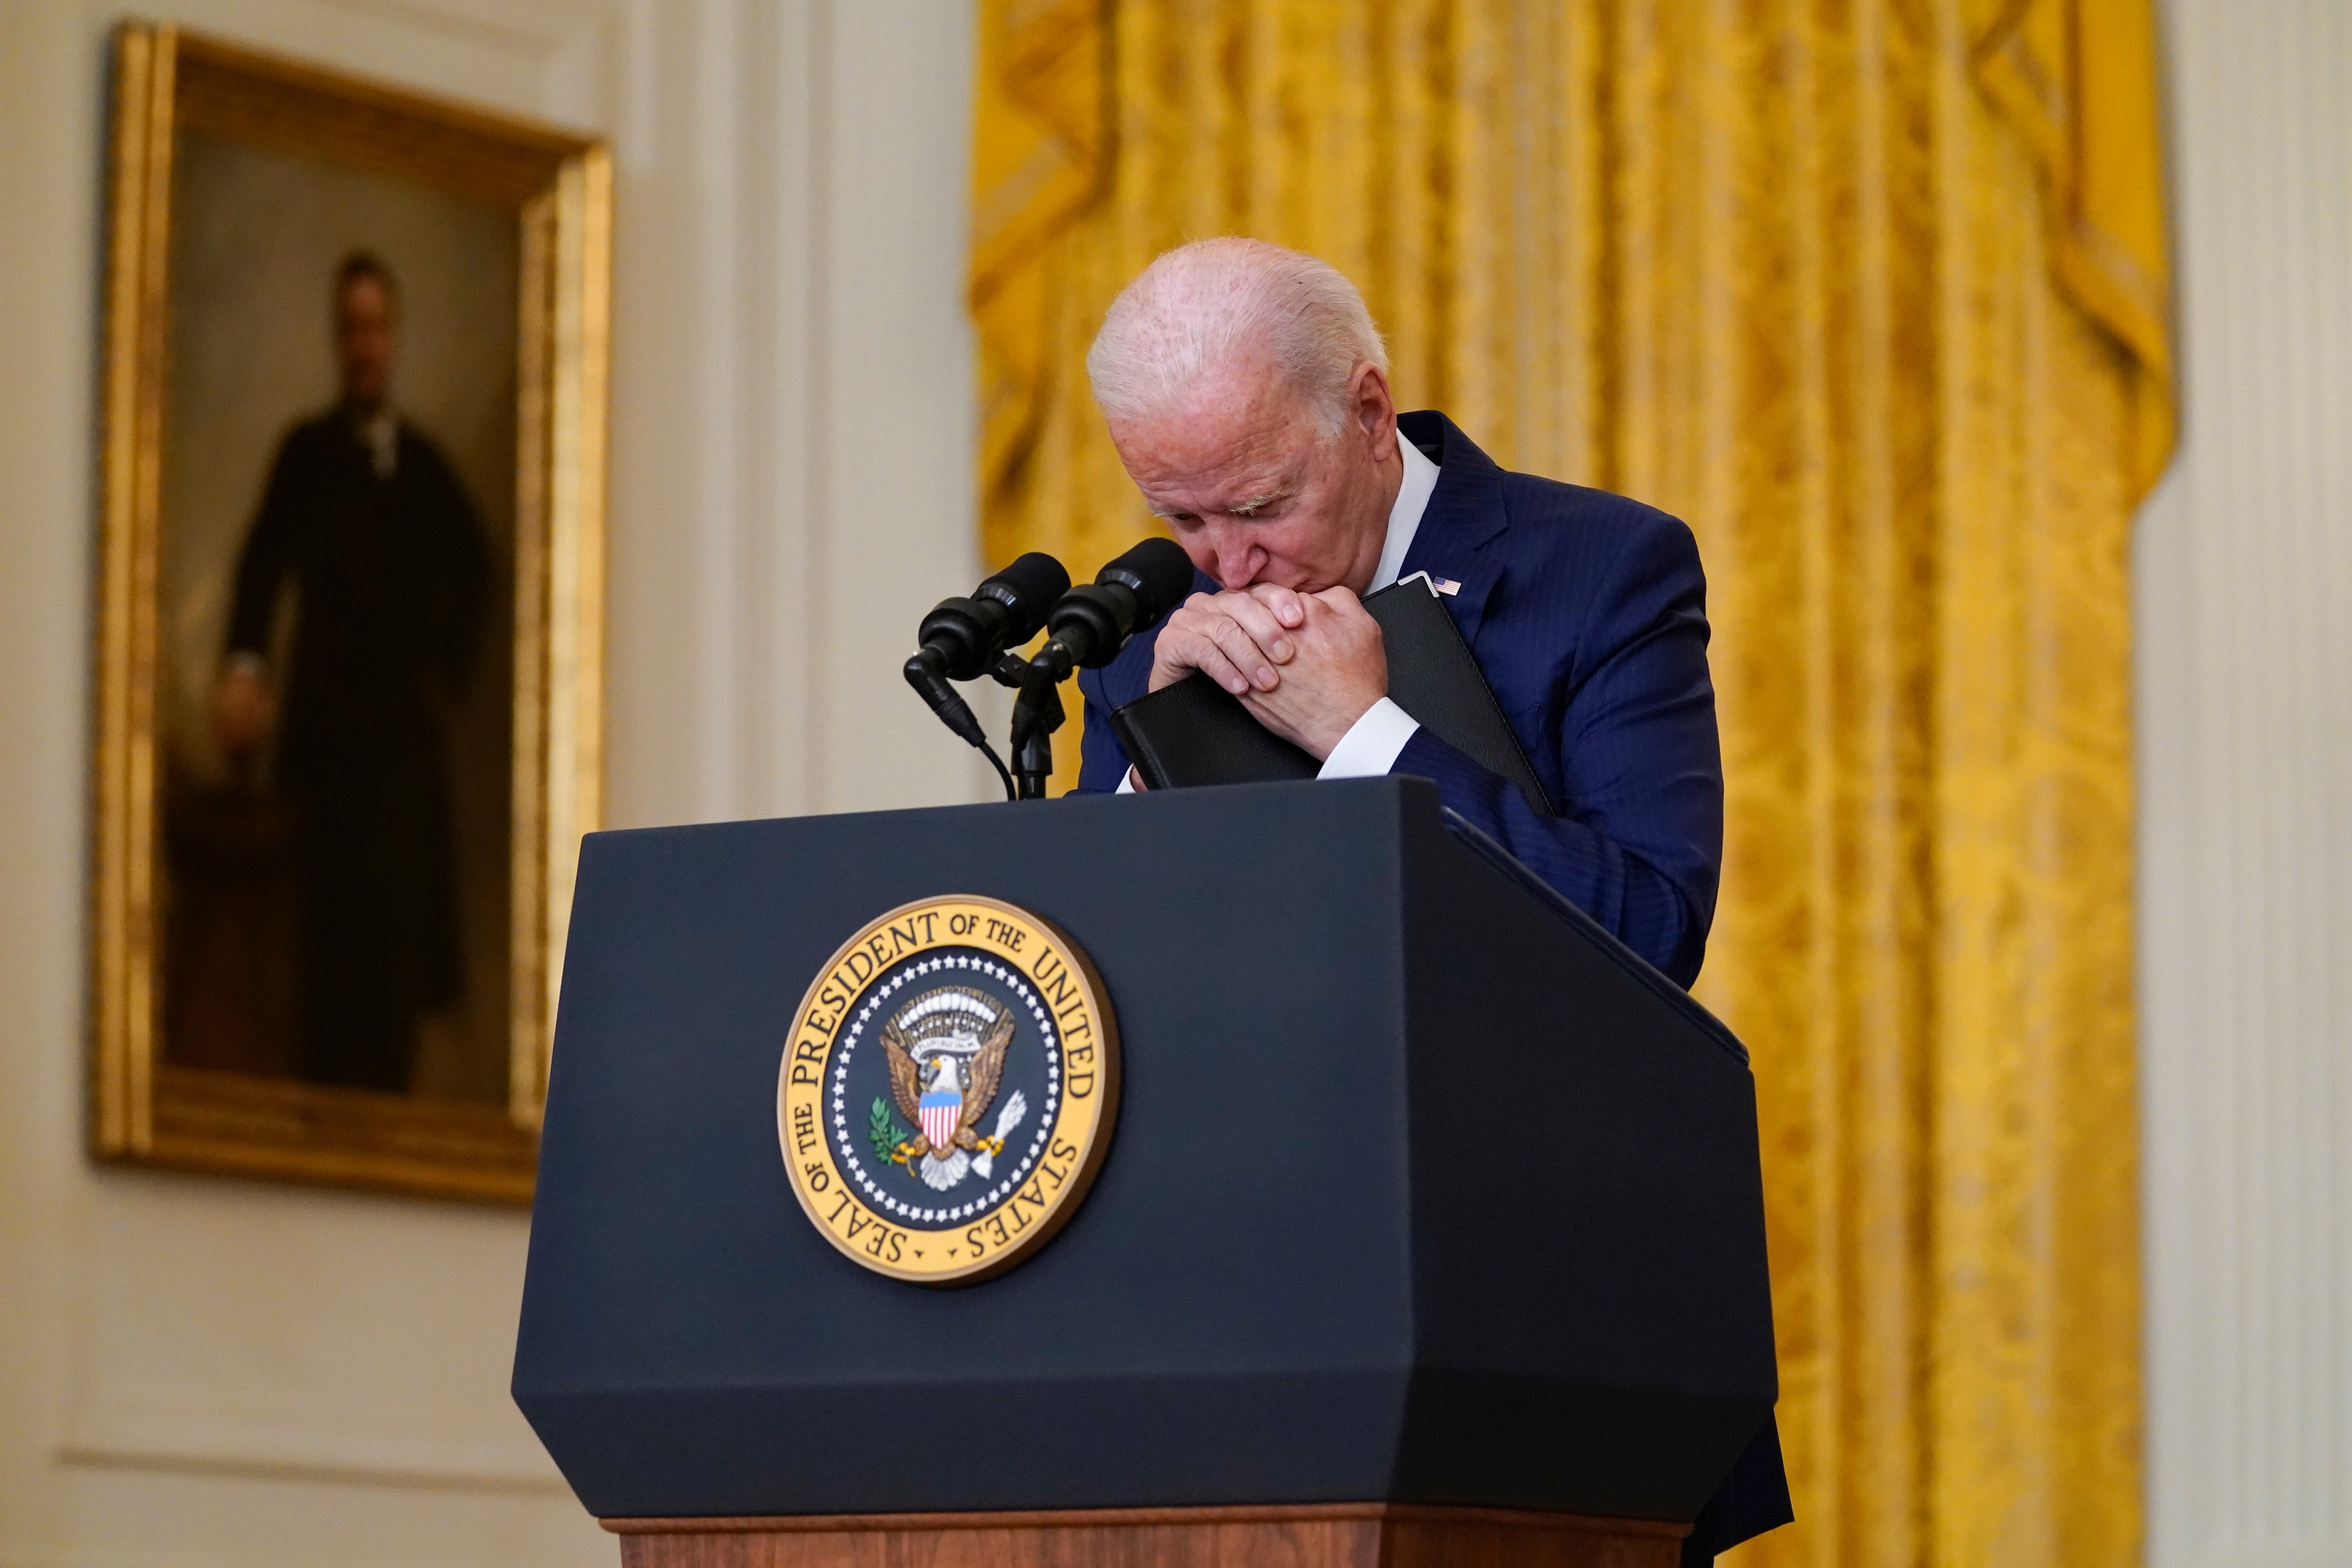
point(2078, 79)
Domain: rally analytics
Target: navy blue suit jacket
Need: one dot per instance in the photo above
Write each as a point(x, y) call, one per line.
point(1587, 613)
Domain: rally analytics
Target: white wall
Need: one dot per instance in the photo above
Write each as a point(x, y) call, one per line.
point(2245, 723)
point(206, 1372)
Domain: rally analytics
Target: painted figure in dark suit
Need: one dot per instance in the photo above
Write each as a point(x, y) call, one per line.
point(1246, 390)
point(364, 519)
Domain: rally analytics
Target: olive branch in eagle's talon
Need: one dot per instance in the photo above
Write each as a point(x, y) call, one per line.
point(889, 1139)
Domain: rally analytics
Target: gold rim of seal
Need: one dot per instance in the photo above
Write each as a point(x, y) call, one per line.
point(1013, 1229)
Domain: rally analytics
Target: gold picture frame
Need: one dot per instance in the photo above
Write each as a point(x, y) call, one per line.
point(168, 86)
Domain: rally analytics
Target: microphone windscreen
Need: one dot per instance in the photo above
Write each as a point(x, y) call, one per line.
point(1032, 583)
point(1160, 572)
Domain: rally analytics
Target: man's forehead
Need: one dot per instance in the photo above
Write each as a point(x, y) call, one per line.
point(1230, 445)
point(1217, 479)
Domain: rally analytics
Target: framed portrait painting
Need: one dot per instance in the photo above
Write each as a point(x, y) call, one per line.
point(351, 596)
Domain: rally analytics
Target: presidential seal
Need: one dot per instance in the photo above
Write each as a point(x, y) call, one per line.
point(948, 1091)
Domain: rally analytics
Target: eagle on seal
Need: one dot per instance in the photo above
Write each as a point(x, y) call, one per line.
point(946, 1051)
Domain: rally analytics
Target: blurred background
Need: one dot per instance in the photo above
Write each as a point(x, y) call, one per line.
point(1999, 352)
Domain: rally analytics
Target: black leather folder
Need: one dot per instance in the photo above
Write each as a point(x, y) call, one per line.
point(1197, 732)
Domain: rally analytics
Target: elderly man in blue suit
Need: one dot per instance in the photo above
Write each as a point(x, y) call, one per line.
point(1246, 390)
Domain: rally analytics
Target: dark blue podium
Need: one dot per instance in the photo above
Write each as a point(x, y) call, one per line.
point(1426, 1202)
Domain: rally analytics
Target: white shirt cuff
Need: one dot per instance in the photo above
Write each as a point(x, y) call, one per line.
point(1126, 783)
point(1369, 748)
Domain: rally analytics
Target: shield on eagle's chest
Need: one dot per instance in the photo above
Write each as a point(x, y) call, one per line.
point(941, 1110)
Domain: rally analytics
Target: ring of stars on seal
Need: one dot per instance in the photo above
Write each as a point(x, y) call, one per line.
point(844, 1146)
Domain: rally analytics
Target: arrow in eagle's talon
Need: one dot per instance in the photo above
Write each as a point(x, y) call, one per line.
point(1016, 1105)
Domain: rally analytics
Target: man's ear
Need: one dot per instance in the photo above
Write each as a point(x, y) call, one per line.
point(1375, 410)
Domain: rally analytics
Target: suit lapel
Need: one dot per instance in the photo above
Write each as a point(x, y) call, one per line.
point(1465, 518)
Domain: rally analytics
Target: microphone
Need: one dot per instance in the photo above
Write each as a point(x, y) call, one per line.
point(961, 637)
point(1090, 625)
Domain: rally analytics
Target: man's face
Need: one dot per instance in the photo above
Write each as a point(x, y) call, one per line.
point(1255, 491)
point(363, 340)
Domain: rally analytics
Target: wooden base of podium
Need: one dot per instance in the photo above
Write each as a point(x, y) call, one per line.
point(1329, 1535)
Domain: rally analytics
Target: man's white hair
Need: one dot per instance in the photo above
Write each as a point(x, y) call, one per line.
point(1199, 305)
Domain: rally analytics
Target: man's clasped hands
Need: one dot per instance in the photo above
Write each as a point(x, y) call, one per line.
point(1307, 666)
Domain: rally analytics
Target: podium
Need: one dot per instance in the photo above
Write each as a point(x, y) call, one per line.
point(1430, 1227)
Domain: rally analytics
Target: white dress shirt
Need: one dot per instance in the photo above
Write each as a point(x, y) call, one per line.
point(1371, 747)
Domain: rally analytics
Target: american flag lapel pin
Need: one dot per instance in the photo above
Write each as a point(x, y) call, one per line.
point(1445, 584)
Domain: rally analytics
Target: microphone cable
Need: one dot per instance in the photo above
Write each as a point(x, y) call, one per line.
point(1012, 791)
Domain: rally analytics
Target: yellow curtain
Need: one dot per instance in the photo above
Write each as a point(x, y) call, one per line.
point(1872, 294)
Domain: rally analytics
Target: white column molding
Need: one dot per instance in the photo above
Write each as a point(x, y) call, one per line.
point(2245, 722)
